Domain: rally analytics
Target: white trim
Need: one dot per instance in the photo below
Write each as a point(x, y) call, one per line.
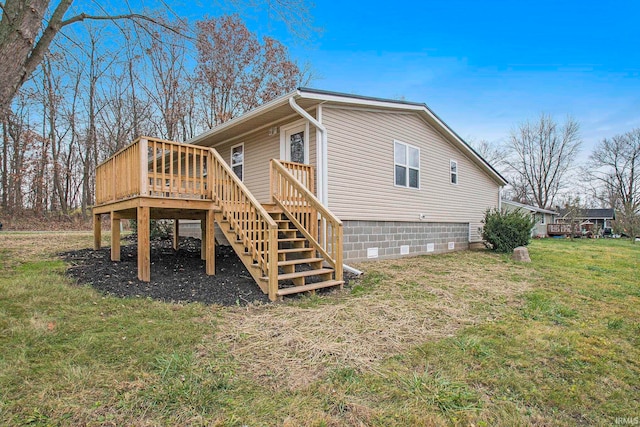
point(232, 165)
point(451, 173)
point(529, 207)
point(243, 135)
point(360, 101)
point(322, 187)
point(406, 165)
point(278, 102)
point(369, 109)
point(302, 123)
point(422, 109)
point(402, 106)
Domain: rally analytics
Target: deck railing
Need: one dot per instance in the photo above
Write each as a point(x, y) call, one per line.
point(154, 167)
point(304, 173)
point(249, 220)
point(118, 177)
point(563, 229)
point(317, 223)
point(177, 170)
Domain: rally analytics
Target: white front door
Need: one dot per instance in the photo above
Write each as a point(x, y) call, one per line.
point(296, 143)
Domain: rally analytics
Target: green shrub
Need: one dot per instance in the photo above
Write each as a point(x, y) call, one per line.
point(158, 228)
point(503, 231)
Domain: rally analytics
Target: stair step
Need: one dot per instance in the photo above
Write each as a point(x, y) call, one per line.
point(299, 261)
point(292, 239)
point(309, 287)
point(307, 273)
point(287, 230)
point(294, 250)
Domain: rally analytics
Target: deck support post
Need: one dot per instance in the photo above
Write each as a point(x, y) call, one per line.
point(115, 237)
point(97, 232)
point(144, 245)
point(176, 234)
point(203, 238)
point(210, 246)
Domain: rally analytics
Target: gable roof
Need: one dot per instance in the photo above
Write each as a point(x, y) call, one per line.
point(308, 98)
point(591, 213)
point(530, 207)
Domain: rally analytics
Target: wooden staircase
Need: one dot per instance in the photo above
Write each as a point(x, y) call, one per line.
point(292, 245)
point(300, 269)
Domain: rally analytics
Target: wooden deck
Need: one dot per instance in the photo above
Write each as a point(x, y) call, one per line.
point(563, 230)
point(156, 179)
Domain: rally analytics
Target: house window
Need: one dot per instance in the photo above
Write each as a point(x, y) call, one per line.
point(407, 165)
point(237, 160)
point(453, 166)
point(541, 218)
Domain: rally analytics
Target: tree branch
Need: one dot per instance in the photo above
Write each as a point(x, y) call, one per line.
point(42, 46)
point(132, 16)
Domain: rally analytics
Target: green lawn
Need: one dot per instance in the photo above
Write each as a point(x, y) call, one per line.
point(455, 339)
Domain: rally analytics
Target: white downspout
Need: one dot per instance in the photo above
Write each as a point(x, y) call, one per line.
point(323, 175)
point(321, 153)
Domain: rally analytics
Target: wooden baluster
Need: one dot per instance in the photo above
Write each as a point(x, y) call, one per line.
point(143, 165)
point(179, 170)
point(154, 159)
point(194, 171)
point(201, 175)
point(171, 175)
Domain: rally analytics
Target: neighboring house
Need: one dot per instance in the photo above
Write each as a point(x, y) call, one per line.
point(400, 180)
point(589, 220)
point(542, 217)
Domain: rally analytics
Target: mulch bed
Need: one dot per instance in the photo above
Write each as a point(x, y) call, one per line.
point(176, 276)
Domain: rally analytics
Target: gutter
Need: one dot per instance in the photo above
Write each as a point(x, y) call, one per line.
point(323, 176)
point(352, 270)
point(321, 148)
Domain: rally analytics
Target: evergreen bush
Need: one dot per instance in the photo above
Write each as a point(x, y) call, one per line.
point(503, 231)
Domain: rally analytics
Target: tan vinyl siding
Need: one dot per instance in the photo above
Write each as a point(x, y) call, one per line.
point(361, 171)
point(259, 149)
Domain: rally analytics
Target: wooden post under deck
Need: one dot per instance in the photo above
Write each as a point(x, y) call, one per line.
point(203, 239)
point(176, 234)
point(115, 237)
point(144, 245)
point(210, 246)
point(97, 232)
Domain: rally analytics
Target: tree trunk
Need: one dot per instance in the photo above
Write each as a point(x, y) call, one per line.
point(5, 164)
point(20, 26)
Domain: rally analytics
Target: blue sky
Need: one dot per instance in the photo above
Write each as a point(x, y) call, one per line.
point(486, 66)
point(482, 66)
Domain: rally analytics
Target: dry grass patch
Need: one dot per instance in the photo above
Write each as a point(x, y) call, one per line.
point(398, 305)
point(19, 247)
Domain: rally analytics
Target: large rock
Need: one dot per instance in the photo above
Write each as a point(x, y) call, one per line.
point(521, 253)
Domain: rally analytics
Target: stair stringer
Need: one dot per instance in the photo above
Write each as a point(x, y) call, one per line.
point(244, 253)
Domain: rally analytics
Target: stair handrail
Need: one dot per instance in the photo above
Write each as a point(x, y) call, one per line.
point(248, 218)
point(317, 223)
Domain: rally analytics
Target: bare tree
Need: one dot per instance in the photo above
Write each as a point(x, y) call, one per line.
point(27, 29)
point(541, 154)
point(236, 72)
point(167, 88)
point(614, 166)
point(67, 102)
point(494, 153)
